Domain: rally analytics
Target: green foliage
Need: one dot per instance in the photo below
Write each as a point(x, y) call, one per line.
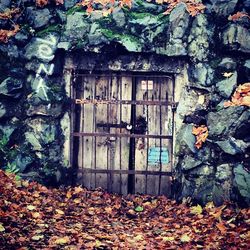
point(51, 28)
point(75, 9)
point(12, 168)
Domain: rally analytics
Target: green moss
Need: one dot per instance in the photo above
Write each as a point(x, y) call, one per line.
point(75, 9)
point(112, 35)
point(53, 28)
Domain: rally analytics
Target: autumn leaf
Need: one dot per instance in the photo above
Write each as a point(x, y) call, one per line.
point(201, 133)
point(221, 227)
point(227, 74)
point(36, 215)
point(62, 240)
point(196, 209)
point(31, 207)
point(59, 211)
point(237, 16)
point(37, 237)
point(8, 14)
point(241, 96)
point(139, 209)
point(6, 34)
point(2, 229)
point(170, 238)
point(185, 238)
point(41, 3)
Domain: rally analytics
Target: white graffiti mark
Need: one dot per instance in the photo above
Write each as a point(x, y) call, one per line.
point(50, 41)
point(47, 71)
point(41, 86)
point(45, 51)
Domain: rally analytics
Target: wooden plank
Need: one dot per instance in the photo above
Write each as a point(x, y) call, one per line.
point(101, 143)
point(114, 114)
point(141, 143)
point(166, 128)
point(88, 126)
point(125, 92)
point(153, 128)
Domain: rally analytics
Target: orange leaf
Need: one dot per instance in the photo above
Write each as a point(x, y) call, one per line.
point(237, 16)
point(41, 3)
point(6, 34)
point(221, 227)
point(201, 134)
point(241, 96)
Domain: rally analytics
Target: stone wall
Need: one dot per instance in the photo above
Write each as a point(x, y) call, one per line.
point(34, 95)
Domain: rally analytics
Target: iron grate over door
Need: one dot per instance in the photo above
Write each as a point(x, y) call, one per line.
point(123, 132)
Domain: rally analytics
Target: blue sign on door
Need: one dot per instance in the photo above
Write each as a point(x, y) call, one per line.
point(157, 155)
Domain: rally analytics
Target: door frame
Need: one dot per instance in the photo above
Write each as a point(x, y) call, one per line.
point(75, 135)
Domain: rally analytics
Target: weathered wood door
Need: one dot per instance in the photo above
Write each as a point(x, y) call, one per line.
point(123, 126)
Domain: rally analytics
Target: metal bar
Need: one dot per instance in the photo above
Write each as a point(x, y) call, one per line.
point(147, 132)
point(94, 134)
point(163, 75)
point(123, 171)
point(82, 128)
point(119, 81)
point(135, 102)
point(94, 126)
point(159, 187)
point(109, 176)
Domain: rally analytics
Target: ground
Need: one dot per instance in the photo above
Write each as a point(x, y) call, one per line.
point(33, 216)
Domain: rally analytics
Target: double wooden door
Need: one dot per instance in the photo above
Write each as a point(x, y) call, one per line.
point(123, 127)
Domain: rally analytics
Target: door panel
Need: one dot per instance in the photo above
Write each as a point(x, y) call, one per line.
point(124, 106)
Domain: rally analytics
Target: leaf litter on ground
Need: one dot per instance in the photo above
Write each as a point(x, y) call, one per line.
point(33, 216)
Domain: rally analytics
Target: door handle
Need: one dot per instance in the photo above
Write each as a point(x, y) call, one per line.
point(111, 125)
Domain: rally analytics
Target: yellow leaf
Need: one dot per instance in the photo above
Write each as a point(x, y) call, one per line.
point(196, 209)
point(2, 229)
point(68, 195)
point(185, 238)
point(31, 207)
point(138, 237)
point(37, 237)
point(62, 241)
point(227, 74)
point(59, 211)
point(168, 238)
point(36, 215)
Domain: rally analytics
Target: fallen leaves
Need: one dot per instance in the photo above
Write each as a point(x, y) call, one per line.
point(6, 34)
point(9, 13)
point(201, 133)
point(37, 217)
point(194, 7)
point(42, 3)
point(237, 16)
point(241, 96)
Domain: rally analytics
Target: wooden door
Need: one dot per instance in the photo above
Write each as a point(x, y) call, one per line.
point(124, 132)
